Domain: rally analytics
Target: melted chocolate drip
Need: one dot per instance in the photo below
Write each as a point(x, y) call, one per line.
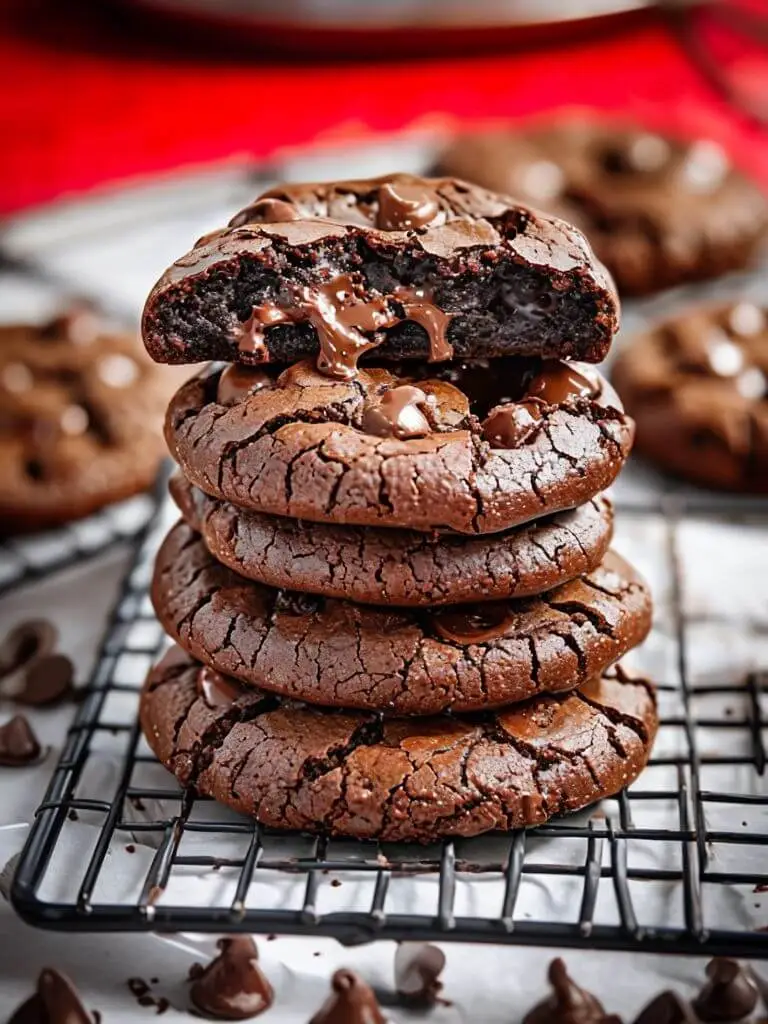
point(233, 986)
point(417, 971)
point(396, 413)
point(568, 1004)
point(729, 994)
point(236, 382)
point(351, 1002)
point(474, 624)
point(343, 315)
point(56, 1001)
point(405, 206)
point(216, 690)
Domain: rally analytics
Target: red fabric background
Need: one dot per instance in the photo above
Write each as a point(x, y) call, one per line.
point(91, 99)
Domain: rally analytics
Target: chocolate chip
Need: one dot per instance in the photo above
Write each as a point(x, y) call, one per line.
point(729, 994)
point(25, 642)
point(417, 970)
point(56, 1001)
point(47, 680)
point(233, 986)
point(567, 1004)
point(18, 744)
point(666, 1008)
point(351, 1002)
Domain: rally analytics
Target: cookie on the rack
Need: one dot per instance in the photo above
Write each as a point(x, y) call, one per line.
point(81, 413)
point(381, 566)
point(409, 661)
point(659, 211)
point(365, 775)
point(697, 386)
point(410, 267)
point(467, 447)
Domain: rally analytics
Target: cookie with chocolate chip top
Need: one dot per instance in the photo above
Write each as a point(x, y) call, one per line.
point(698, 387)
point(81, 410)
point(399, 567)
point(463, 447)
point(399, 266)
point(347, 773)
point(409, 661)
point(658, 211)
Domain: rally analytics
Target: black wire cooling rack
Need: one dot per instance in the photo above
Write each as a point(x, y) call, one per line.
point(687, 879)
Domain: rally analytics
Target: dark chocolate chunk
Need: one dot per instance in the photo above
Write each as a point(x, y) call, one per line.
point(56, 1001)
point(22, 645)
point(418, 966)
point(233, 986)
point(567, 1004)
point(18, 744)
point(409, 266)
point(729, 994)
point(351, 1002)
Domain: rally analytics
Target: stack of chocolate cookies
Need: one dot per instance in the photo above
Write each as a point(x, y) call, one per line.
point(396, 610)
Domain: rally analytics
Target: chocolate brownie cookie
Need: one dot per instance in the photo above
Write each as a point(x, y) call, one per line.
point(431, 268)
point(698, 386)
point(467, 447)
point(399, 567)
point(352, 774)
point(81, 412)
point(410, 661)
point(658, 211)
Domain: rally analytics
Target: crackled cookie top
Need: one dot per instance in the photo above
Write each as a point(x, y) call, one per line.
point(399, 567)
point(657, 210)
point(81, 410)
point(410, 661)
point(698, 387)
point(471, 447)
point(293, 766)
point(406, 266)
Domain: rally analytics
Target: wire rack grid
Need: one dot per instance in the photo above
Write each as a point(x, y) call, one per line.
point(587, 880)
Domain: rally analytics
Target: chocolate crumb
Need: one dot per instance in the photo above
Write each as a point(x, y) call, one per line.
point(130, 848)
point(73, 815)
point(335, 882)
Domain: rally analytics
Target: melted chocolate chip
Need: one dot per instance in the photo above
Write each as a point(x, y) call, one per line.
point(558, 383)
point(18, 744)
point(56, 1001)
point(568, 1004)
point(215, 689)
point(236, 382)
point(666, 1008)
point(417, 306)
point(396, 413)
point(418, 966)
point(272, 211)
point(351, 1002)
point(405, 206)
point(233, 986)
point(729, 994)
point(473, 624)
point(48, 679)
point(509, 426)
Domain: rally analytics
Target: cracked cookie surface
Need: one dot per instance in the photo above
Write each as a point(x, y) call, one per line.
point(81, 413)
point(409, 266)
point(698, 387)
point(398, 567)
point(363, 775)
point(658, 211)
point(409, 661)
point(474, 448)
